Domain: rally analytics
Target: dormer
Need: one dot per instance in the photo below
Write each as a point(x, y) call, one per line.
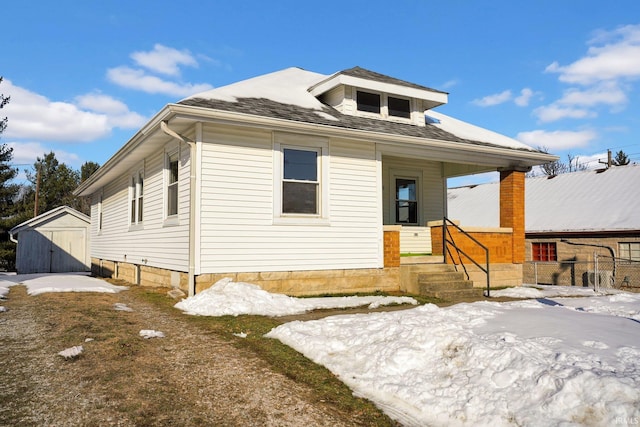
point(364, 93)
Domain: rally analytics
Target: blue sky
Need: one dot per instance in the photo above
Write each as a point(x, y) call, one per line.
point(85, 76)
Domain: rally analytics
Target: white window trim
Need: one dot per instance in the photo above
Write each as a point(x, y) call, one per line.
point(630, 245)
point(100, 211)
point(170, 220)
point(301, 142)
point(384, 106)
point(406, 174)
point(134, 195)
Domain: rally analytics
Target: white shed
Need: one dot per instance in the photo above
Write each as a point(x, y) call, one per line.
point(56, 241)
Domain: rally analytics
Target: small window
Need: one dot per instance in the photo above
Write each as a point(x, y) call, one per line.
point(399, 107)
point(544, 251)
point(172, 185)
point(300, 183)
point(630, 250)
point(100, 213)
point(136, 199)
point(406, 201)
point(369, 102)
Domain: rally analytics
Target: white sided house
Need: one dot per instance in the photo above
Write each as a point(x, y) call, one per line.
point(298, 181)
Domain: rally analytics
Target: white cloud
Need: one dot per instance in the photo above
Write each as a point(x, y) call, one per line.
point(557, 140)
point(117, 112)
point(449, 84)
point(495, 99)
point(617, 58)
point(604, 93)
point(33, 116)
point(164, 60)
point(25, 153)
point(525, 96)
point(140, 80)
point(92, 116)
point(554, 112)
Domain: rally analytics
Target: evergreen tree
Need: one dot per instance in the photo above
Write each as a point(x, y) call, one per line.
point(621, 159)
point(87, 169)
point(56, 183)
point(4, 100)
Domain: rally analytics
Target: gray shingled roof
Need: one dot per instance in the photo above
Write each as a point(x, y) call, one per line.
point(372, 75)
point(236, 98)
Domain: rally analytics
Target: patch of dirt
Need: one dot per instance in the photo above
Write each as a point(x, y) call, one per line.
point(188, 378)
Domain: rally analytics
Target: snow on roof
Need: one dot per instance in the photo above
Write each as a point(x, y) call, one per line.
point(291, 87)
point(288, 86)
point(466, 130)
point(573, 202)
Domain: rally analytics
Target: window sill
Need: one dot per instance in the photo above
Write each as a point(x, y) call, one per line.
point(136, 227)
point(171, 221)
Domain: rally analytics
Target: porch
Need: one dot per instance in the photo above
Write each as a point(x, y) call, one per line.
point(474, 258)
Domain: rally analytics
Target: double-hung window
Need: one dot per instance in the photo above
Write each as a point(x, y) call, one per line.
point(136, 193)
point(301, 178)
point(172, 180)
point(300, 181)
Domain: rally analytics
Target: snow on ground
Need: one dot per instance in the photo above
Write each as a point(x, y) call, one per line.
point(544, 291)
point(226, 297)
point(553, 360)
point(60, 282)
point(572, 361)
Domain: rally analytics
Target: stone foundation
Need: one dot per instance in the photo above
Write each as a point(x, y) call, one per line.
point(293, 283)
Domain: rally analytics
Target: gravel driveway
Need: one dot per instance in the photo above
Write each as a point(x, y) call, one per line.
point(187, 378)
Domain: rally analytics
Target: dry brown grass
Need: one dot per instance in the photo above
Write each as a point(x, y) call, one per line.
point(199, 374)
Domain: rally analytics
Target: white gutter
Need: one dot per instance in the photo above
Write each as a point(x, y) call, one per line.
point(192, 199)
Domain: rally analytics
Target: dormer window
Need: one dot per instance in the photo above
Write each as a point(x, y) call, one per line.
point(369, 102)
point(399, 107)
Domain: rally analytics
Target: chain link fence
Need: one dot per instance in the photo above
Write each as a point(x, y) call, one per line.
point(603, 272)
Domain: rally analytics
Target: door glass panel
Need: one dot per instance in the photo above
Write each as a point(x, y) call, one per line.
point(406, 201)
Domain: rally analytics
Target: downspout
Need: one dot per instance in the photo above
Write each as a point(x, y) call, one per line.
point(192, 197)
point(13, 239)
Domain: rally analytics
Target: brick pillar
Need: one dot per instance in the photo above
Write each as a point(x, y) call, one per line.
point(391, 246)
point(512, 209)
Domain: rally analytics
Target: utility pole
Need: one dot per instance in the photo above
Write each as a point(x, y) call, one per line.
point(35, 207)
point(609, 161)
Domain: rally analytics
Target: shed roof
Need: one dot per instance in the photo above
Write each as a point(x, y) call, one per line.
point(587, 201)
point(48, 216)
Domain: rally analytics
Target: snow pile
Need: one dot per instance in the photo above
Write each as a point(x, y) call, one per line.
point(68, 283)
point(486, 363)
point(3, 292)
point(3, 309)
point(226, 297)
point(71, 352)
point(543, 291)
point(150, 333)
point(119, 306)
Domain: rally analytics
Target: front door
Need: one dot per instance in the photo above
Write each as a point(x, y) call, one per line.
point(406, 200)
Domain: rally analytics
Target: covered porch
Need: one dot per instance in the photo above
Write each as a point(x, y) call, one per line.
point(415, 204)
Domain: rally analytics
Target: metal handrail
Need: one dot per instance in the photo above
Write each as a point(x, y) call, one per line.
point(445, 250)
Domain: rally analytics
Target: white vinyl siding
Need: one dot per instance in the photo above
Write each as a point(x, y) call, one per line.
point(431, 187)
point(154, 245)
point(238, 230)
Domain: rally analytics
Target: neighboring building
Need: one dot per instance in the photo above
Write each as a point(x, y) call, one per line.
point(56, 241)
point(569, 219)
point(297, 181)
